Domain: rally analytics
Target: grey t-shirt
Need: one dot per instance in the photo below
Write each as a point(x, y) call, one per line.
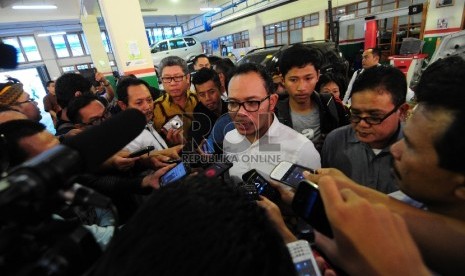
point(307, 124)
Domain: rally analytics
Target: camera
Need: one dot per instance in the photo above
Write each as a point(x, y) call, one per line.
point(173, 123)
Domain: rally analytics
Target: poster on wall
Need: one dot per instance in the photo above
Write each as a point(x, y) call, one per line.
point(444, 3)
point(442, 23)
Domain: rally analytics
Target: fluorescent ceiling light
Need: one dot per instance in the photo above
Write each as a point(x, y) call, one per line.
point(50, 34)
point(211, 9)
point(34, 7)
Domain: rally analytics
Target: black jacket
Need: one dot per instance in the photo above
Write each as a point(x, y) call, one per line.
point(332, 114)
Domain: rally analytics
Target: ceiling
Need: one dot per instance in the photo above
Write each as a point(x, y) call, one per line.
point(67, 15)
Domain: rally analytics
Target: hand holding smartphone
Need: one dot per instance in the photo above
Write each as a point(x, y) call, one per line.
point(289, 174)
point(308, 205)
point(178, 172)
point(261, 184)
point(303, 258)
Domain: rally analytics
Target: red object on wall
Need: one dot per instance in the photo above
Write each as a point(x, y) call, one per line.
point(371, 31)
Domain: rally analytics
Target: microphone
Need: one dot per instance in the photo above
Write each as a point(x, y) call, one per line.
point(48, 172)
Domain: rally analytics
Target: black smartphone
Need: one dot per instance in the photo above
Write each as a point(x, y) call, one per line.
point(141, 151)
point(207, 147)
point(308, 205)
point(178, 172)
point(289, 174)
point(217, 169)
point(250, 191)
point(261, 184)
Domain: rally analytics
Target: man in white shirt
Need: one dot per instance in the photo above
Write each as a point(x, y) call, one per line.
point(370, 58)
point(259, 141)
point(135, 93)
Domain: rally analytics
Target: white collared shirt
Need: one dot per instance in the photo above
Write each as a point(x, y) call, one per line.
point(280, 143)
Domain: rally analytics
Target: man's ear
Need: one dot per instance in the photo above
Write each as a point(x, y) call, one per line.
point(273, 101)
point(77, 94)
point(122, 105)
point(404, 109)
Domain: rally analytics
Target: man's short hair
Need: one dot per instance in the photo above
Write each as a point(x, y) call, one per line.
point(204, 75)
point(76, 104)
point(375, 52)
point(67, 85)
point(225, 66)
point(387, 78)
point(174, 61)
point(123, 85)
point(13, 131)
point(246, 68)
point(49, 82)
point(299, 56)
point(196, 58)
point(441, 88)
point(197, 227)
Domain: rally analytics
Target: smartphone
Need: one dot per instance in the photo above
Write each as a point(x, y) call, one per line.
point(250, 191)
point(302, 256)
point(308, 205)
point(173, 123)
point(178, 172)
point(217, 169)
point(141, 151)
point(261, 184)
point(207, 146)
point(289, 174)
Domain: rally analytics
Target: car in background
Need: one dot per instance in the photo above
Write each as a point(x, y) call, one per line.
point(184, 47)
point(332, 58)
point(451, 45)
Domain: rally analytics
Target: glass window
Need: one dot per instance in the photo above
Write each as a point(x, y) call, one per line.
point(106, 45)
point(168, 32)
point(177, 31)
point(59, 44)
point(82, 66)
point(157, 34)
point(68, 69)
point(84, 41)
point(13, 41)
point(148, 33)
point(30, 48)
point(75, 45)
point(163, 46)
point(190, 41)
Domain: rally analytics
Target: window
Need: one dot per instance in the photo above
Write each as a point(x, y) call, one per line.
point(190, 41)
point(70, 45)
point(289, 31)
point(106, 42)
point(177, 43)
point(26, 48)
point(159, 33)
point(75, 45)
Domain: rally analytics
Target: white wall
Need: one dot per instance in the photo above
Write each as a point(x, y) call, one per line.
point(453, 14)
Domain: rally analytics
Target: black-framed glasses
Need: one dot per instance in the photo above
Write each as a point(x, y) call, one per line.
point(98, 120)
point(170, 79)
point(250, 106)
point(23, 102)
point(354, 118)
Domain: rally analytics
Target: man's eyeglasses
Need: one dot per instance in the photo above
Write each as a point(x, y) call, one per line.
point(250, 106)
point(97, 121)
point(23, 102)
point(170, 79)
point(354, 118)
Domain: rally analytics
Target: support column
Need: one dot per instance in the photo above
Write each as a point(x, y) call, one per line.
point(126, 30)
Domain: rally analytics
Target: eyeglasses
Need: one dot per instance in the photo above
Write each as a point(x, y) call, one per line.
point(250, 106)
point(97, 121)
point(23, 102)
point(353, 118)
point(170, 79)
